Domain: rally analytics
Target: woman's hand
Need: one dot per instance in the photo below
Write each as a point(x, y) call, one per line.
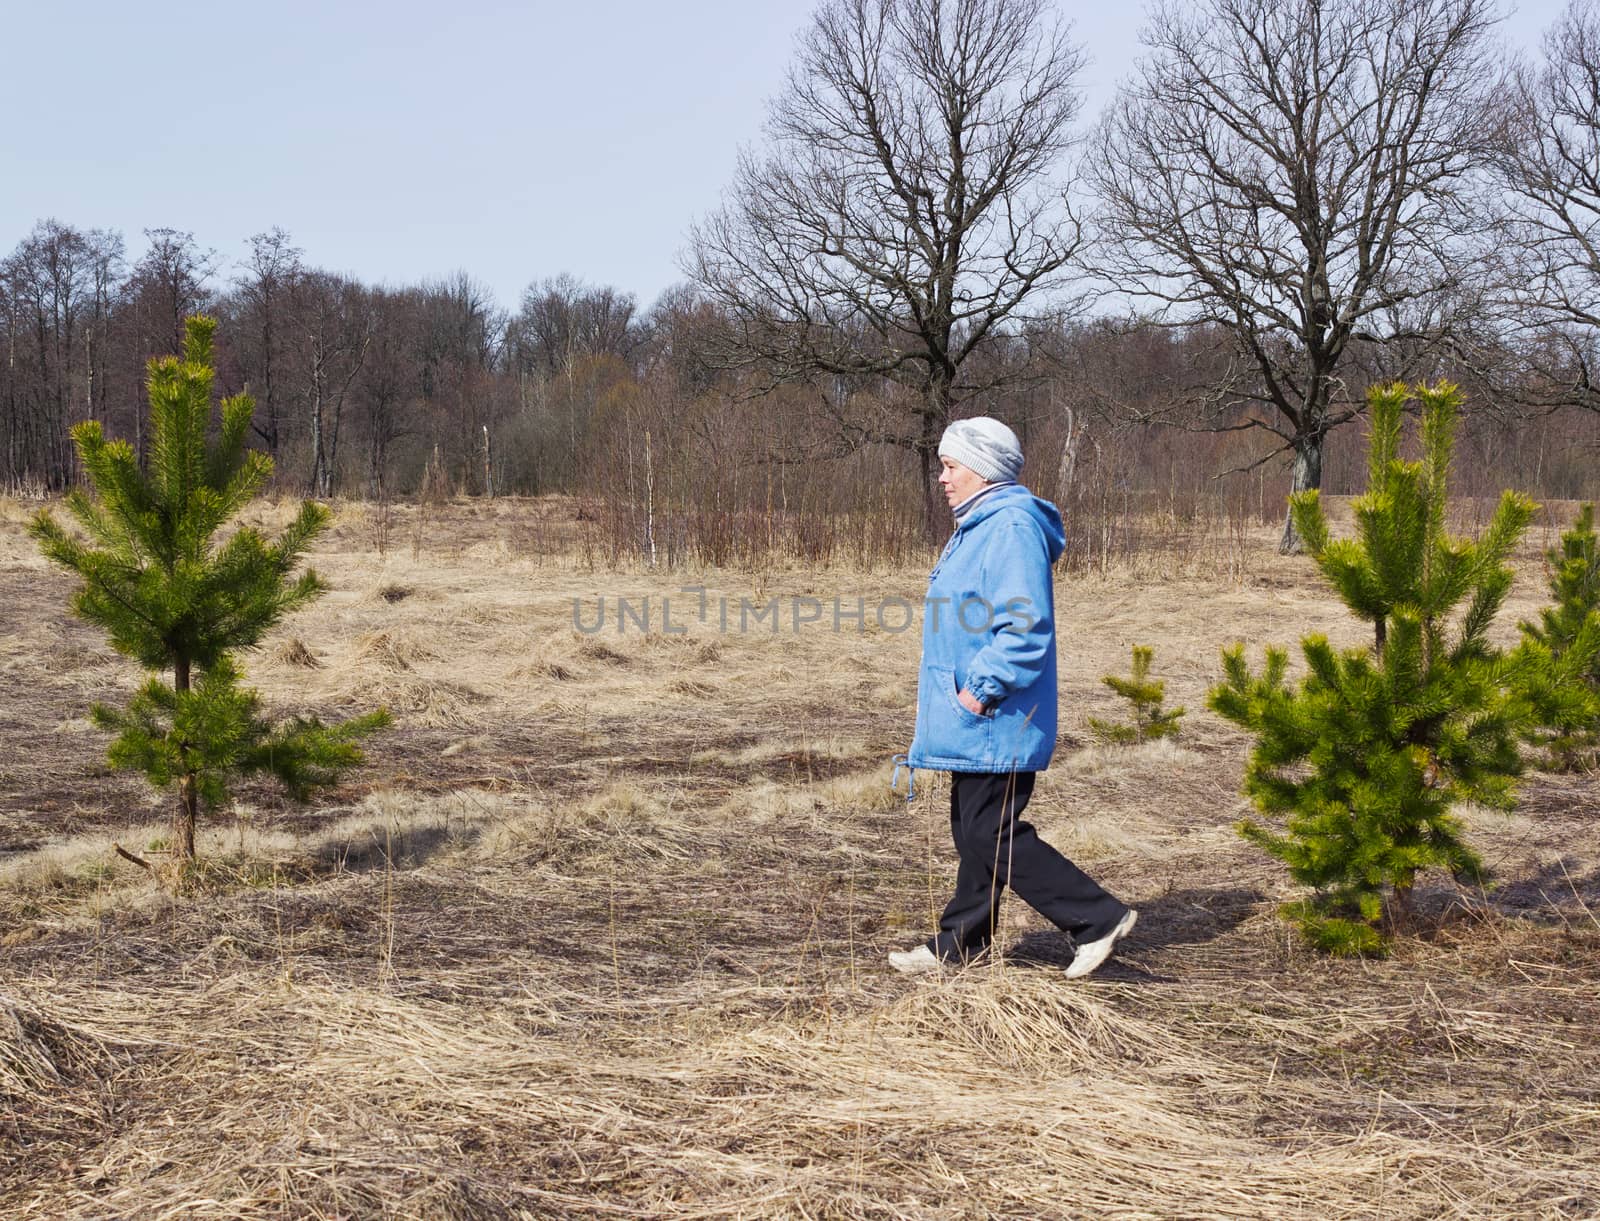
point(970, 702)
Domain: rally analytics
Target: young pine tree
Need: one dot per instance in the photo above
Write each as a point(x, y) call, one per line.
point(1365, 757)
point(179, 601)
point(1145, 694)
point(1569, 712)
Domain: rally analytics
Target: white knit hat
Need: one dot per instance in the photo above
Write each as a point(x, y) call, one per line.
point(984, 445)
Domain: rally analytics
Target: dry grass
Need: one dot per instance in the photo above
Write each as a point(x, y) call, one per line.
point(601, 933)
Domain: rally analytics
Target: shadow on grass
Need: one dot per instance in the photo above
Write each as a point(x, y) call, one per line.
point(1179, 917)
point(1555, 893)
point(375, 850)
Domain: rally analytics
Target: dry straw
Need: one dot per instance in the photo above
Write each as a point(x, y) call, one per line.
point(602, 933)
point(1005, 1087)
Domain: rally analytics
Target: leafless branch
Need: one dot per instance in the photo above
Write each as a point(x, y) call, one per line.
point(1298, 173)
point(911, 204)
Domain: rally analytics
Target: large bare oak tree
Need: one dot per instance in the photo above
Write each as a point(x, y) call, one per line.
point(1298, 172)
point(1548, 250)
point(910, 204)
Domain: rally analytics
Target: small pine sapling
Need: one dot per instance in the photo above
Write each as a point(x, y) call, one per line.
point(1366, 757)
point(1145, 694)
point(178, 600)
point(1569, 706)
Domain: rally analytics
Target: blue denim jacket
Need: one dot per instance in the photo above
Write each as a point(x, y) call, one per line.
point(989, 625)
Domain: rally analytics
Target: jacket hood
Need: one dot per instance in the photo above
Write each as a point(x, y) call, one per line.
point(1016, 498)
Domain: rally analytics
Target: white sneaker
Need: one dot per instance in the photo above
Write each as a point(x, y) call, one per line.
point(913, 962)
point(1092, 953)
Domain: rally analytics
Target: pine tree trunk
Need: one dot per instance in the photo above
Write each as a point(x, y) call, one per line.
point(188, 797)
point(1402, 904)
point(183, 826)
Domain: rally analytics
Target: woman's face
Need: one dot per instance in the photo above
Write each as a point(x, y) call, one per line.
point(958, 481)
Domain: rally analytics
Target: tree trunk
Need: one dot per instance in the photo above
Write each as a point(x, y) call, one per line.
point(330, 457)
point(935, 416)
point(1402, 912)
point(188, 797)
point(271, 434)
point(13, 423)
point(375, 467)
point(319, 458)
point(183, 827)
point(88, 370)
point(935, 515)
point(1068, 466)
point(1307, 476)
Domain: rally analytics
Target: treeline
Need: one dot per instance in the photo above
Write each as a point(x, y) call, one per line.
point(357, 387)
point(374, 392)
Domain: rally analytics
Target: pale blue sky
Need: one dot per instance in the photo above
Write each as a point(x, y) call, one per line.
point(408, 140)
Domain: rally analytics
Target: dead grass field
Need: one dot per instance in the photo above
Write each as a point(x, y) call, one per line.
point(601, 930)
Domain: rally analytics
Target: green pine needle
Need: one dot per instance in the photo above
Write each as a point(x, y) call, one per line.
point(1144, 695)
point(1560, 655)
point(1357, 766)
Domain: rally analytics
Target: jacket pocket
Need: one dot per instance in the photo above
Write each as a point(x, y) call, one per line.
point(952, 690)
point(946, 731)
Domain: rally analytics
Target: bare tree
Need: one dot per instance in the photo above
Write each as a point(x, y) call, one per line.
point(562, 324)
point(1548, 244)
point(51, 278)
point(169, 284)
point(564, 318)
point(388, 382)
point(460, 340)
point(336, 321)
point(1298, 172)
point(11, 323)
point(266, 285)
point(910, 205)
point(677, 333)
point(105, 249)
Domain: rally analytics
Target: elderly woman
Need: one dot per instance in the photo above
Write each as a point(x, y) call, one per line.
point(986, 706)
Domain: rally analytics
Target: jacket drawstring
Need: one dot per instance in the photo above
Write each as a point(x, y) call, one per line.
point(911, 778)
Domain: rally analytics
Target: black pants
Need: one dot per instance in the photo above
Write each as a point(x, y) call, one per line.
point(996, 849)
